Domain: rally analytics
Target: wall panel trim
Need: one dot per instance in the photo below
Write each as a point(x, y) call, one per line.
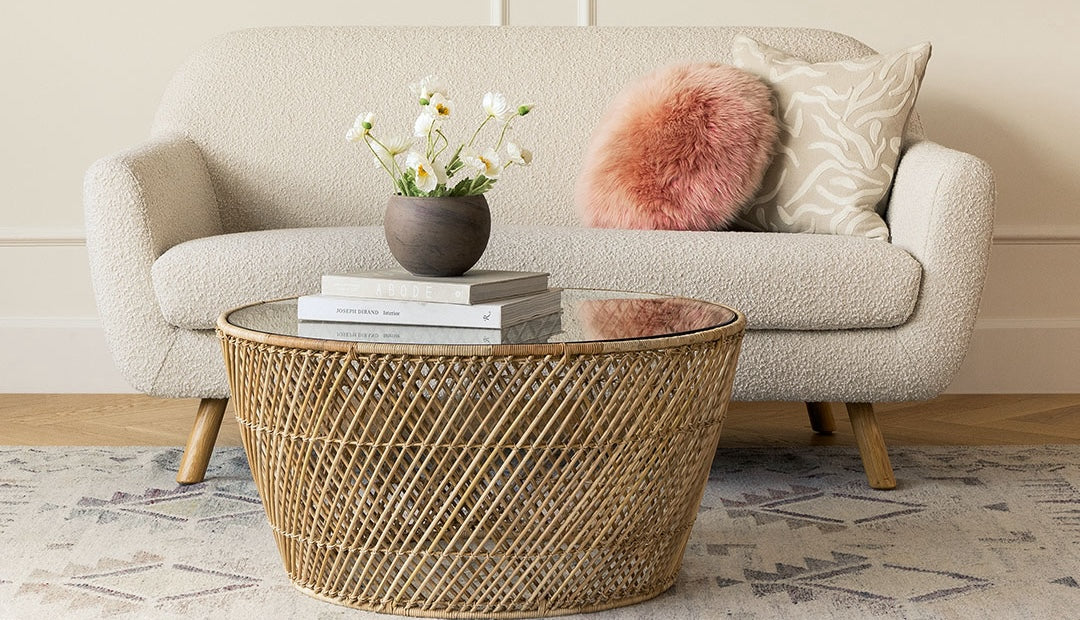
point(1036, 234)
point(586, 12)
point(1025, 234)
point(42, 237)
point(500, 12)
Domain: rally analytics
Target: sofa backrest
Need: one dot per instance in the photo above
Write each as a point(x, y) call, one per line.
point(269, 107)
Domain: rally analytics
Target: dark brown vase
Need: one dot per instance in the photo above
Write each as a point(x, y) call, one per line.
point(442, 236)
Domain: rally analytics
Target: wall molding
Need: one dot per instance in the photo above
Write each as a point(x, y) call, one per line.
point(41, 237)
point(500, 12)
point(1028, 323)
point(586, 12)
point(1036, 234)
point(50, 322)
point(1009, 234)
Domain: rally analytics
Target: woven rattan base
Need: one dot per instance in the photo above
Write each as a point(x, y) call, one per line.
point(538, 613)
point(528, 482)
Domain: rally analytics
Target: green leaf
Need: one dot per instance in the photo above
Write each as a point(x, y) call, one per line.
point(455, 163)
point(461, 189)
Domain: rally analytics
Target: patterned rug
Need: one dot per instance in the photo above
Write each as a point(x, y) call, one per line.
point(782, 533)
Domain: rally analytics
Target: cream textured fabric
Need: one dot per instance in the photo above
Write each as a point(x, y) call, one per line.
point(857, 283)
point(841, 129)
point(249, 137)
point(279, 158)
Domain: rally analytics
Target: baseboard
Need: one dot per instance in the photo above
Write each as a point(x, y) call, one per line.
point(68, 355)
point(57, 355)
point(1021, 356)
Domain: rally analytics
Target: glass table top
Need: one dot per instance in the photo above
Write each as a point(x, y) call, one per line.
point(586, 316)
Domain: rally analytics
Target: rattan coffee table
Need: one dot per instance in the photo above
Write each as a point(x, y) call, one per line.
point(475, 480)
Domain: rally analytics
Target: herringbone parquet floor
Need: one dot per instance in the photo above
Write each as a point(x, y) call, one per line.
point(112, 419)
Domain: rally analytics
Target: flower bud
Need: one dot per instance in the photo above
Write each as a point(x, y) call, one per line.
point(523, 110)
point(424, 101)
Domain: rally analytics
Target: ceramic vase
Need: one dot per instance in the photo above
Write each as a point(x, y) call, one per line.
point(442, 236)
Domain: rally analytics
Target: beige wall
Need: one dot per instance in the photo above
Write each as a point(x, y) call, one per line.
point(83, 80)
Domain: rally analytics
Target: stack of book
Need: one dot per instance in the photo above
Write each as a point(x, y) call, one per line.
point(480, 307)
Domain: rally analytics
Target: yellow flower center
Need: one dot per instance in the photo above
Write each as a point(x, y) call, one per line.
point(421, 172)
point(487, 162)
point(442, 109)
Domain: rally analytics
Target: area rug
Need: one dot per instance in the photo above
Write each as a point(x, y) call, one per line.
point(971, 532)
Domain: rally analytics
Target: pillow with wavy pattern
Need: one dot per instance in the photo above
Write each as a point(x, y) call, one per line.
point(682, 148)
point(841, 128)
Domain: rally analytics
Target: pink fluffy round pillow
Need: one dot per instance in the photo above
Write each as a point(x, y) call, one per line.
point(683, 148)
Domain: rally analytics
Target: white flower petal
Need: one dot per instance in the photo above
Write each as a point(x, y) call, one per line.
point(428, 86)
point(386, 150)
point(423, 124)
point(425, 175)
point(440, 106)
point(358, 131)
point(491, 162)
point(495, 104)
point(518, 155)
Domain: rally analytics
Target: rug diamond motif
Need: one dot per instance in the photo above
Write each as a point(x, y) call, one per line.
point(898, 583)
point(159, 582)
point(197, 507)
point(841, 508)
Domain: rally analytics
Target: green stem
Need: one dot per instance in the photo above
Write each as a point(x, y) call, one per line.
point(397, 172)
point(430, 142)
point(502, 135)
point(477, 132)
point(446, 144)
point(379, 159)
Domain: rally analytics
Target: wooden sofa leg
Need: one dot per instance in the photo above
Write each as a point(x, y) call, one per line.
point(200, 443)
point(821, 418)
point(871, 446)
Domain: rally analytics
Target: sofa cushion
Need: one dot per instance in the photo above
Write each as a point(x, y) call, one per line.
point(681, 148)
point(780, 281)
point(841, 131)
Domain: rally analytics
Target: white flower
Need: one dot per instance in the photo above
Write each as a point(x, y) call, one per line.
point(423, 123)
point(518, 155)
point(361, 127)
point(393, 147)
point(439, 106)
point(486, 163)
point(426, 174)
point(428, 86)
point(495, 104)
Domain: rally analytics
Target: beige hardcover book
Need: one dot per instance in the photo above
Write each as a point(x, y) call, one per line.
point(533, 331)
point(493, 315)
point(475, 287)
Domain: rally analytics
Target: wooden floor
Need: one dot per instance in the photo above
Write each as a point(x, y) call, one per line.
point(109, 419)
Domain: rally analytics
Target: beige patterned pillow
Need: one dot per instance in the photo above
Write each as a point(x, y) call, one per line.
point(841, 126)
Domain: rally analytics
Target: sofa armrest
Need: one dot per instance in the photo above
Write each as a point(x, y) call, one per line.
point(162, 189)
point(137, 204)
point(942, 212)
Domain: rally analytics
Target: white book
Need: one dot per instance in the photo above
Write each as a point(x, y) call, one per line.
point(533, 331)
point(496, 314)
point(476, 286)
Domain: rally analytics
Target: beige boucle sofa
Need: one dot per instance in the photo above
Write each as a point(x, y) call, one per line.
point(247, 190)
